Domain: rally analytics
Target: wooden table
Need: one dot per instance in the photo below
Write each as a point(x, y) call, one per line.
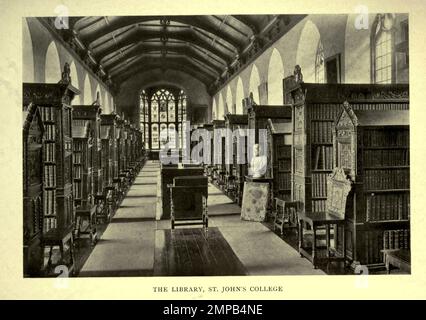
point(315, 220)
point(399, 258)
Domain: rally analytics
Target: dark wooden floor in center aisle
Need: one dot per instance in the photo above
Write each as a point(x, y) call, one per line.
point(194, 252)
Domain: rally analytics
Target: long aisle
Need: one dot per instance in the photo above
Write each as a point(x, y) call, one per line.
point(126, 248)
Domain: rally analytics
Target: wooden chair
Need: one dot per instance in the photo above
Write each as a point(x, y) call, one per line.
point(338, 188)
point(188, 200)
point(285, 214)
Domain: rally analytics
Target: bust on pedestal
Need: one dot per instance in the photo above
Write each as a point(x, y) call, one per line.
point(258, 164)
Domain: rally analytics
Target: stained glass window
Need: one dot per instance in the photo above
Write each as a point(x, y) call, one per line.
point(143, 118)
point(160, 115)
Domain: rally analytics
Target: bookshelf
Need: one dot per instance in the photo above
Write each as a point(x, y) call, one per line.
point(209, 165)
point(315, 108)
point(279, 158)
point(33, 131)
point(258, 116)
point(219, 162)
point(373, 148)
point(82, 163)
point(109, 135)
point(237, 169)
point(90, 115)
point(54, 104)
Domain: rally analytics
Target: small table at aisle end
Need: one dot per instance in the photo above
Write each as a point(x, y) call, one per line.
point(399, 258)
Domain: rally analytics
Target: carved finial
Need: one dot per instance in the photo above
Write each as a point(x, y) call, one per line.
point(298, 76)
point(97, 102)
point(252, 102)
point(66, 74)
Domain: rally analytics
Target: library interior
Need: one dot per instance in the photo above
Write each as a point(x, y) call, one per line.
point(216, 145)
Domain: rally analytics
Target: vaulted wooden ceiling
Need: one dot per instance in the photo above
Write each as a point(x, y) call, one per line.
point(210, 48)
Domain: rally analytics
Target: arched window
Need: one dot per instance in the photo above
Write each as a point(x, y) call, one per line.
point(160, 114)
point(144, 120)
point(319, 64)
point(182, 101)
point(382, 49)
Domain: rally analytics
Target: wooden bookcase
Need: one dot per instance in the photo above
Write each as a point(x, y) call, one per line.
point(109, 134)
point(236, 171)
point(219, 169)
point(315, 110)
point(32, 133)
point(83, 163)
point(54, 103)
point(258, 117)
point(373, 149)
point(279, 157)
point(109, 147)
point(91, 115)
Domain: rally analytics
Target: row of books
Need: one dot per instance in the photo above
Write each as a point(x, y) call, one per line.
point(319, 184)
point(396, 239)
point(283, 151)
point(394, 206)
point(377, 240)
point(393, 157)
point(387, 179)
point(49, 132)
point(322, 131)
point(78, 146)
point(325, 111)
point(284, 165)
point(49, 223)
point(380, 106)
point(49, 176)
point(373, 242)
point(322, 158)
point(318, 205)
point(49, 152)
point(386, 138)
point(49, 202)
point(47, 113)
point(78, 190)
point(77, 157)
point(284, 181)
point(77, 172)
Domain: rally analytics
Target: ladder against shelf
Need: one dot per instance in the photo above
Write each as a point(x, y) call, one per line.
point(379, 217)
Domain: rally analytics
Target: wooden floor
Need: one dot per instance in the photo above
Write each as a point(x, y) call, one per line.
point(194, 252)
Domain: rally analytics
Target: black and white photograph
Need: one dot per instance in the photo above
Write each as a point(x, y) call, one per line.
point(216, 145)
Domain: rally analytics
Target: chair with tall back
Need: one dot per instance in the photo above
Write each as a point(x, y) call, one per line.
point(188, 200)
point(285, 214)
point(338, 188)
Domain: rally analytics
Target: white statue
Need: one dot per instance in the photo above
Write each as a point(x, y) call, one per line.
point(258, 163)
